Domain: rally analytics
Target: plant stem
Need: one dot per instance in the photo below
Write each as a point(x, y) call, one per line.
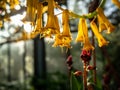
point(85, 75)
point(102, 3)
point(74, 15)
point(93, 6)
point(94, 59)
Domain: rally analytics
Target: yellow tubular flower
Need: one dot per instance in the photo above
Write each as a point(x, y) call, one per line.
point(87, 45)
point(83, 35)
point(39, 18)
point(104, 24)
point(101, 40)
point(117, 3)
point(57, 24)
point(66, 28)
point(51, 26)
point(80, 35)
point(31, 11)
point(63, 39)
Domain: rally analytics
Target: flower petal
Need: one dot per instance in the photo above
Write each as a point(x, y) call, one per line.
point(83, 35)
point(62, 41)
point(117, 3)
point(65, 22)
point(104, 23)
point(101, 40)
point(80, 35)
point(87, 45)
point(52, 22)
point(38, 25)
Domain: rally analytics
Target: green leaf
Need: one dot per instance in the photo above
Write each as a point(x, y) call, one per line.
point(74, 83)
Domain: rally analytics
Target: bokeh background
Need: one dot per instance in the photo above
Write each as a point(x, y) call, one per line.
point(35, 65)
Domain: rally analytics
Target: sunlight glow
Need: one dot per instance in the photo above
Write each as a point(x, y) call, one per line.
point(4, 34)
point(16, 19)
point(28, 27)
point(17, 7)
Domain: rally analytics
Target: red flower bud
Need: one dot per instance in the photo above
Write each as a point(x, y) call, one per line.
point(69, 60)
point(78, 73)
point(89, 67)
point(86, 55)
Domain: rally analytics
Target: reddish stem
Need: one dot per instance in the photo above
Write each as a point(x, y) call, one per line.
point(85, 75)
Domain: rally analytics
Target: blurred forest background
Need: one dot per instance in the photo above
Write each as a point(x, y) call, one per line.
point(34, 64)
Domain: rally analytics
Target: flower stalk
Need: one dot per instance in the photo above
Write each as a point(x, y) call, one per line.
point(85, 75)
point(86, 57)
point(93, 6)
point(74, 15)
point(94, 59)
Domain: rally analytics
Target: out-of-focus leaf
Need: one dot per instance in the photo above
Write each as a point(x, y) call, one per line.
point(74, 83)
point(98, 86)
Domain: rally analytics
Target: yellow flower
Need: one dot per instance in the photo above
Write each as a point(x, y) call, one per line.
point(87, 45)
point(31, 11)
point(51, 29)
point(65, 22)
point(117, 3)
point(63, 39)
point(101, 40)
point(80, 35)
point(104, 24)
point(83, 35)
point(52, 22)
point(38, 25)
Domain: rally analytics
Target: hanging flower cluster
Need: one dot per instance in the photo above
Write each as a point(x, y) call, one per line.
point(63, 39)
point(35, 10)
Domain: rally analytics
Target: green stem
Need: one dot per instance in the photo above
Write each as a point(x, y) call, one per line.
point(94, 59)
point(74, 15)
point(89, 15)
point(102, 3)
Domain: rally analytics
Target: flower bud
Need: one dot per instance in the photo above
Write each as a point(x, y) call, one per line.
point(90, 86)
point(78, 73)
point(86, 55)
point(89, 67)
point(69, 60)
